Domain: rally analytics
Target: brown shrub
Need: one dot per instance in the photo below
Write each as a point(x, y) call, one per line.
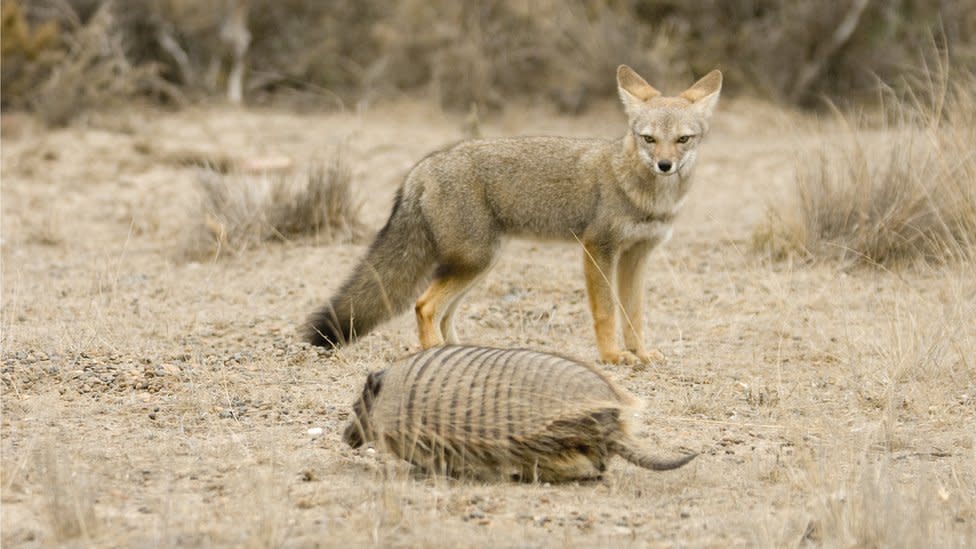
point(475, 52)
point(60, 74)
point(29, 52)
point(591, 42)
point(486, 53)
point(799, 52)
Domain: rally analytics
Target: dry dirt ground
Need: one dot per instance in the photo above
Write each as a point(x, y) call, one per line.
point(151, 400)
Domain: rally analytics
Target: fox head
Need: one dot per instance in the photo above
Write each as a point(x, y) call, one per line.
point(666, 130)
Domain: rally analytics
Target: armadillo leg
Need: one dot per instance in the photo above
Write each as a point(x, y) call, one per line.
point(569, 467)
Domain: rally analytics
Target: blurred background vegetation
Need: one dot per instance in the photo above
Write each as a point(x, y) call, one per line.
point(63, 57)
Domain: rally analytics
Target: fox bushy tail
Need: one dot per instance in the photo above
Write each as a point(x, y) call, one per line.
point(633, 453)
point(384, 283)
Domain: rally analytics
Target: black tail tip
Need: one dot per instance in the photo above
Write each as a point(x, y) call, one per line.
point(683, 460)
point(324, 330)
point(674, 463)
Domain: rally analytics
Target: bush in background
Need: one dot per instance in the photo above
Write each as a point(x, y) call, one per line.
point(61, 68)
point(29, 52)
point(487, 52)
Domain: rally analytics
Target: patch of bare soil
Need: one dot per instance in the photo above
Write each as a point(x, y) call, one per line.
point(152, 400)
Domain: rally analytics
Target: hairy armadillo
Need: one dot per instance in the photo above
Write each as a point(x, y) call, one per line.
point(499, 413)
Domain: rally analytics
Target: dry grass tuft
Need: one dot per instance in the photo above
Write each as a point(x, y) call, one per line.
point(895, 481)
point(871, 507)
point(238, 211)
point(47, 232)
point(69, 503)
point(891, 196)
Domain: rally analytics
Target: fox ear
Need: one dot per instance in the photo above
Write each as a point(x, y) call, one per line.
point(704, 93)
point(633, 89)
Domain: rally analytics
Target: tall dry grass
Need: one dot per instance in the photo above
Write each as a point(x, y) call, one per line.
point(69, 501)
point(240, 211)
point(872, 505)
point(886, 194)
point(891, 484)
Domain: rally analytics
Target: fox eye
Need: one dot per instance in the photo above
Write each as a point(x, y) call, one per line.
point(684, 138)
point(648, 138)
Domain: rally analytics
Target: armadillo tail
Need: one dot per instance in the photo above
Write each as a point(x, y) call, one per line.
point(632, 453)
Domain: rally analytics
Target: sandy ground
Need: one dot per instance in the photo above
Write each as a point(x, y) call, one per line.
point(150, 400)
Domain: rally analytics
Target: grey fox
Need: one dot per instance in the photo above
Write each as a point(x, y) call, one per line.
point(618, 198)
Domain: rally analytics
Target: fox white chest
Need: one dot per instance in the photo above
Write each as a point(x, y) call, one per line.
point(657, 210)
point(654, 231)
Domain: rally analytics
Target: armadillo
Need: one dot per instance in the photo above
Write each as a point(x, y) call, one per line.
point(493, 413)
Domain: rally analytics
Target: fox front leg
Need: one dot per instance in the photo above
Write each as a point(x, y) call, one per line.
point(598, 267)
point(630, 285)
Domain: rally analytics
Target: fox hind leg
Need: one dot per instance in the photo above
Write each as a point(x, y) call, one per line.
point(435, 308)
point(447, 321)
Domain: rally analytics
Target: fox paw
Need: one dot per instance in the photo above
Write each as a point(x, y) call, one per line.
point(619, 357)
point(653, 356)
point(647, 358)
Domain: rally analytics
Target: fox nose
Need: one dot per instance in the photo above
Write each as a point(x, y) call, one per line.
point(664, 166)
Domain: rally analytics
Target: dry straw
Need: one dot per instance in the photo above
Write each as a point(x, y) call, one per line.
point(239, 211)
point(901, 193)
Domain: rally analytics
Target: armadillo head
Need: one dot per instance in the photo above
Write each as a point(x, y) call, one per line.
point(360, 429)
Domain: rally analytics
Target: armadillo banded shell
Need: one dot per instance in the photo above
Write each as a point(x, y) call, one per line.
point(489, 406)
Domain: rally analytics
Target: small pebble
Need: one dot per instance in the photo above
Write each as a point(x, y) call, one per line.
point(315, 432)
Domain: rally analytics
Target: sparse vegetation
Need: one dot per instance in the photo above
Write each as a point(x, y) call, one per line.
point(871, 507)
point(153, 402)
point(69, 503)
point(239, 210)
point(886, 196)
point(180, 402)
